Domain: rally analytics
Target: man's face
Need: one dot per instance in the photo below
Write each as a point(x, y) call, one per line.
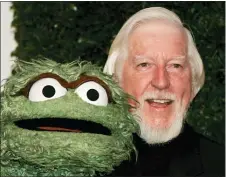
point(157, 73)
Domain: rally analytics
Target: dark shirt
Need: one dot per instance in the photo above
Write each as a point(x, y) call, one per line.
point(189, 154)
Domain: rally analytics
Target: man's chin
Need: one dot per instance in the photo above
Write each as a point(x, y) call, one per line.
point(161, 133)
point(159, 123)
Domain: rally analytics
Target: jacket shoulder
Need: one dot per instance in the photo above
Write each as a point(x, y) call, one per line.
point(212, 156)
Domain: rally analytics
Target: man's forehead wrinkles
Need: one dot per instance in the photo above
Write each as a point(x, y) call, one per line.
point(160, 55)
point(136, 42)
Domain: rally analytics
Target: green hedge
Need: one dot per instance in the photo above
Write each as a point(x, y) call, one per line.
point(66, 31)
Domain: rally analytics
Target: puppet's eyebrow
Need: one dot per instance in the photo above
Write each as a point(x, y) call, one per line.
point(86, 78)
point(66, 84)
point(62, 81)
point(25, 90)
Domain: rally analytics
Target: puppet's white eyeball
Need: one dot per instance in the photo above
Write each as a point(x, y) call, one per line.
point(93, 93)
point(46, 89)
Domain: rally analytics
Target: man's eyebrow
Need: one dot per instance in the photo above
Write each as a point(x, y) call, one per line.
point(179, 57)
point(140, 57)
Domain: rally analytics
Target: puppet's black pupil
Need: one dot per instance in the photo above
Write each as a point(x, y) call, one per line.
point(48, 91)
point(92, 94)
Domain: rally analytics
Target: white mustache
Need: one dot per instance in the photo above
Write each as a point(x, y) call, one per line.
point(158, 95)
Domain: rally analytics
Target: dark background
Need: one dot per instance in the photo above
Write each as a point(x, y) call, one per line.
point(67, 31)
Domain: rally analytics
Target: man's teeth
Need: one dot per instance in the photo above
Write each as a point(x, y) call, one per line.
point(159, 101)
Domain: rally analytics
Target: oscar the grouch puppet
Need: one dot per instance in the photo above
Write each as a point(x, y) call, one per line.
point(63, 120)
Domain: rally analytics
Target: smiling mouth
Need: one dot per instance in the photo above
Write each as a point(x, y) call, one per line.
point(62, 125)
point(159, 103)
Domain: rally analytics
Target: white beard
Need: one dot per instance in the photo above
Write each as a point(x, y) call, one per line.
point(155, 135)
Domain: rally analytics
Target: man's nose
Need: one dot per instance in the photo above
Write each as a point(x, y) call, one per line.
point(160, 79)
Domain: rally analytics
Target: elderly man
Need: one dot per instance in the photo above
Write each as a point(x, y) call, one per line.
point(154, 58)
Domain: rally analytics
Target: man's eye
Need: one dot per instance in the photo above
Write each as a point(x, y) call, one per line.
point(177, 66)
point(143, 65)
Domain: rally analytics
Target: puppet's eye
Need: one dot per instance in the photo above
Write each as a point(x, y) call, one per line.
point(93, 93)
point(45, 89)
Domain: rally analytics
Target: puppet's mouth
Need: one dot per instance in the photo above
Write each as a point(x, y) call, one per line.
point(63, 125)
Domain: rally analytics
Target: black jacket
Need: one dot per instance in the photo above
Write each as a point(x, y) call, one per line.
point(190, 154)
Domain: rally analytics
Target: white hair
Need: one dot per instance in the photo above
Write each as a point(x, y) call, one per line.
point(119, 48)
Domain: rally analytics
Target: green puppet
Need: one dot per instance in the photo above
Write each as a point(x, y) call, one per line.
point(63, 120)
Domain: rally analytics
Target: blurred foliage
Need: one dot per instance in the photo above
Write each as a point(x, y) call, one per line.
point(66, 31)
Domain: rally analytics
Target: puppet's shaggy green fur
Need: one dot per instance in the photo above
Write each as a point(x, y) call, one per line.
point(45, 153)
